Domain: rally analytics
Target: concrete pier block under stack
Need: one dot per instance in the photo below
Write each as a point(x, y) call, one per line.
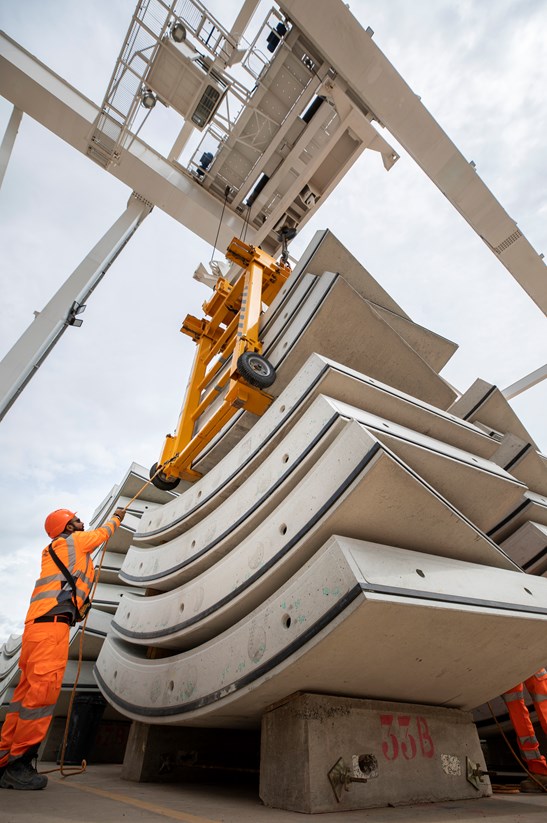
point(357, 754)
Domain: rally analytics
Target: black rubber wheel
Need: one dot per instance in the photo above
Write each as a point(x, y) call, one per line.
point(160, 481)
point(256, 370)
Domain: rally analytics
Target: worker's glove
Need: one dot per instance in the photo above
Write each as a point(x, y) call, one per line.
point(120, 514)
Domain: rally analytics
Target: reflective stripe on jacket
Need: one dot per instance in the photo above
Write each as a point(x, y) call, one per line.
point(73, 550)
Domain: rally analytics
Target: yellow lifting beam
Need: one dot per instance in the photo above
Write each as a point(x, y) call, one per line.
point(228, 362)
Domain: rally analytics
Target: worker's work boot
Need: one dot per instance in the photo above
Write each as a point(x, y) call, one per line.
point(530, 785)
point(21, 773)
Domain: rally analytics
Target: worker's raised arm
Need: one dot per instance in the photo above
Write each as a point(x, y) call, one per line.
point(89, 540)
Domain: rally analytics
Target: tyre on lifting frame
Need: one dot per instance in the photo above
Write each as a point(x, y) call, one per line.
point(161, 481)
point(256, 370)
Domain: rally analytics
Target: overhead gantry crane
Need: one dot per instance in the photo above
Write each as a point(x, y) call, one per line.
point(282, 119)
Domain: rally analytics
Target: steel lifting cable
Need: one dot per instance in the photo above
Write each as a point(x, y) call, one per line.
point(226, 194)
point(246, 223)
point(80, 769)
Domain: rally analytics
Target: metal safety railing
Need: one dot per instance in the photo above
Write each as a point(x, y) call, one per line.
point(122, 115)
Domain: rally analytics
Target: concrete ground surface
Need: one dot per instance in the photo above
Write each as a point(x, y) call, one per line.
point(100, 796)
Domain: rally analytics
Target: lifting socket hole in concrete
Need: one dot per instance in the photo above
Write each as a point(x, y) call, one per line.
point(282, 409)
point(193, 544)
point(171, 685)
point(527, 590)
point(285, 458)
point(141, 565)
point(365, 763)
point(283, 528)
point(199, 494)
point(128, 615)
point(182, 607)
point(115, 674)
point(286, 620)
point(420, 572)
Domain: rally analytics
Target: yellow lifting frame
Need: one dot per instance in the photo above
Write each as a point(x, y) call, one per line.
point(230, 328)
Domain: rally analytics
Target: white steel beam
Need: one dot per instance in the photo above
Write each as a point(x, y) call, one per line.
point(334, 31)
point(243, 19)
point(51, 101)
point(46, 97)
point(9, 140)
point(34, 345)
point(525, 383)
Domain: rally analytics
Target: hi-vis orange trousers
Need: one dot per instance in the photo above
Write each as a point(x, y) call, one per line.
point(520, 718)
point(44, 653)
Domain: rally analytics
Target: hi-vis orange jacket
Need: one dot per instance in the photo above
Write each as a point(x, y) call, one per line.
point(74, 551)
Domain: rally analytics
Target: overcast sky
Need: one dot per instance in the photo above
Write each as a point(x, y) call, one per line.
point(113, 388)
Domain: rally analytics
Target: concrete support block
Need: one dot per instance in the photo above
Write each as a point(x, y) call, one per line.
point(173, 753)
point(108, 745)
point(416, 753)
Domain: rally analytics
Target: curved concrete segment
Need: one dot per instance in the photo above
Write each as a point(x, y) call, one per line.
point(274, 477)
point(317, 326)
point(107, 596)
point(359, 619)
point(317, 376)
point(478, 488)
point(130, 485)
point(12, 645)
point(484, 403)
point(237, 583)
point(528, 547)
point(9, 656)
point(96, 629)
point(531, 507)
point(110, 568)
point(357, 486)
point(325, 253)
point(313, 312)
point(315, 320)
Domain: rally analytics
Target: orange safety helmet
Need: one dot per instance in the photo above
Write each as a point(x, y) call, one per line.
point(57, 520)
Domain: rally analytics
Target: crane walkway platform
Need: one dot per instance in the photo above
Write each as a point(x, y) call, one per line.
point(107, 798)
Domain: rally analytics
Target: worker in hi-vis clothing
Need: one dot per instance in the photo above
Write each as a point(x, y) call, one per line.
point(526, 736)
point(59, 600)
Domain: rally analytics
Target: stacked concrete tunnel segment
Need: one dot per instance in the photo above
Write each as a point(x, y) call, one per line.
point(365, 537)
